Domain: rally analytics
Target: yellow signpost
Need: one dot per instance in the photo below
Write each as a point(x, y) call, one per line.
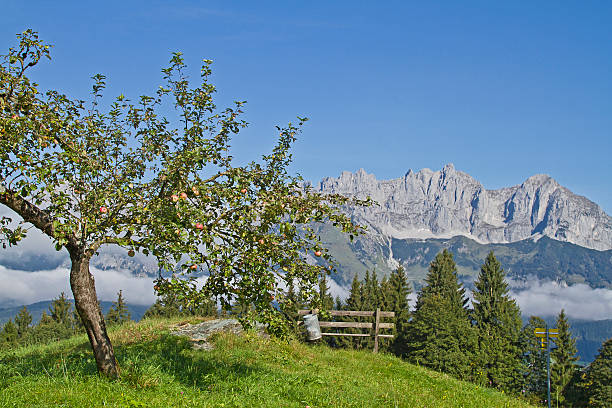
point(545, 335)
point(541, 333)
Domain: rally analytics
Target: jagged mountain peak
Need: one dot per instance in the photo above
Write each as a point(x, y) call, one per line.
point(449, 202)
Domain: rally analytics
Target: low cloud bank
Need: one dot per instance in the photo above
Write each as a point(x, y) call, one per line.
point(23, 287)
point(579, 301)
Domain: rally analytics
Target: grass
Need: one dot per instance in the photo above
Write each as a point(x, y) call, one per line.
point(160, 370)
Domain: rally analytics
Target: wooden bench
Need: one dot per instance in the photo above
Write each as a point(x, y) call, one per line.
point(358, 325)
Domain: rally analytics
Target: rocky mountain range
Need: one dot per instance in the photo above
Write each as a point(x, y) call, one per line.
point(447, 203)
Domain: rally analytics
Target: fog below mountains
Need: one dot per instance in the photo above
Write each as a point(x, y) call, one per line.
point(33, 271)
point(19, 287)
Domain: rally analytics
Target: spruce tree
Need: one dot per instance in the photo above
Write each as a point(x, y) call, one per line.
point(23, 320)
point(61, 311)
point(498, 320)
point(563, 367)
point(534, 361)
point(371, 301)
point(118, 312)
point(338, 304)
point(355, 301)
point(440, 335)
point(398, 291)
point(327, 301)
point(164, 306)
point(598, 382)
point(9, 335)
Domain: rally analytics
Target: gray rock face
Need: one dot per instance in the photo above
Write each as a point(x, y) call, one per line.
point(446, 203)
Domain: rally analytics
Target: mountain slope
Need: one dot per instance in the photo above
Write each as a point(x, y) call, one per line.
point(544, 259)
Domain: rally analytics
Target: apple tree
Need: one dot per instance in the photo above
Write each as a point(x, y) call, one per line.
point(96, 173)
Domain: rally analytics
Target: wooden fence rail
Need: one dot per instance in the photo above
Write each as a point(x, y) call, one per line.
point(377, 325)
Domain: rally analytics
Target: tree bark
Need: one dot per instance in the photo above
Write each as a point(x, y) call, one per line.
point(86, 302)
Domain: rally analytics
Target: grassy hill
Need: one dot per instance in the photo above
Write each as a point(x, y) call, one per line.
point(160, 370)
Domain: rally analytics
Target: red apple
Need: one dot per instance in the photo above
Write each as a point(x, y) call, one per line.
point(194, 266)
point(14, 117)
point(199, 226)
point(195, 190)
point(103, 210)
point(184, 195)
point(131, 252)
point(174, 197)
point(244, 190)
point(155, 288)
point(317, 253)
point(261, 241)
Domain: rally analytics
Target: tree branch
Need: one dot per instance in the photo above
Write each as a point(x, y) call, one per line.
point(34, 215)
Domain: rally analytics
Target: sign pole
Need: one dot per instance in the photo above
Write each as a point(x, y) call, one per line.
point(548, 363)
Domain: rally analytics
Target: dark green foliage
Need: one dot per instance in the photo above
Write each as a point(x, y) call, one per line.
point(118, 313)
point(440, 334)
point(61, 311)
point(355, 298)
point(498, 321)
point(534, 361)
point(563, 365)
point(23, 320)
point(327, 301)
point(355, 301)
point(398, 290)
point(9, 335)
point(48, 329)
point(289, 304)
point(169, 305)
point(598, 378)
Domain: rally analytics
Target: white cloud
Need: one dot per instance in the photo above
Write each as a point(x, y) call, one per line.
point(23, 287)
point(579, 301)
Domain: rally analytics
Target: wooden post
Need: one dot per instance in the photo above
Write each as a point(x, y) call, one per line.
point(376, 330)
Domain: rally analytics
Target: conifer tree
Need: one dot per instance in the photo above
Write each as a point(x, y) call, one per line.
point(327, 301)
point(118, 312)
point(165, 306)
point(371, 301)
point(9, 335)
point(563, 367)
point(441, 336)
point(355, 298)
point(534, 361)
point(498, 320)
point(338, 304)
point(598, 381)
point(371, 296)
point(355, 301)
point(61, 311)
point(23, 320)
point(398, 291)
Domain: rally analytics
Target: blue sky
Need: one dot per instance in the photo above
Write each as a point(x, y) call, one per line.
point(502, 90)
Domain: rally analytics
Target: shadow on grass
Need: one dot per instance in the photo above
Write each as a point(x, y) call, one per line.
point(167, 358)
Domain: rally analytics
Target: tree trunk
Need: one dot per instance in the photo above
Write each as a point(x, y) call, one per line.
point(86, 302)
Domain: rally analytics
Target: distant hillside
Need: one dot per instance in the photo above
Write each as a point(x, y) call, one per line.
point(544, 258)
point(37, 309)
